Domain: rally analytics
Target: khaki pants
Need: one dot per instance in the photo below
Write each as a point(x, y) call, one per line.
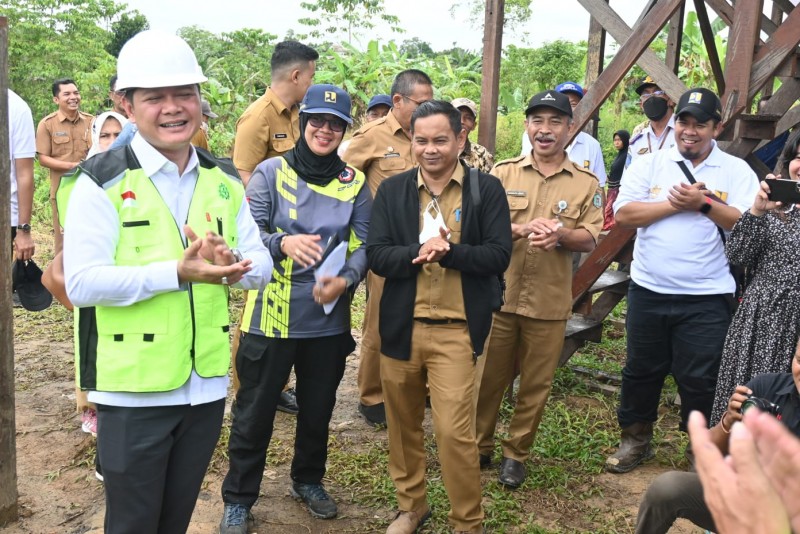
point(369, 367)
point(442, 355)
point(538, 344)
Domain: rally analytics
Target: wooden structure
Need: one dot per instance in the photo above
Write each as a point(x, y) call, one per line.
point(8, 455)
point(760, 48)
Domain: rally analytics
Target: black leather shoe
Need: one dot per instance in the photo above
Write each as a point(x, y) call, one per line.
point(512, 473)
point(374, 415)
point(484, 460)
point(287, 403)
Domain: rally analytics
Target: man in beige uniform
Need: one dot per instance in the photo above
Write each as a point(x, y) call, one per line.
point(556, 209)
point(63, 139)
point(270, 126)
point(381, 149)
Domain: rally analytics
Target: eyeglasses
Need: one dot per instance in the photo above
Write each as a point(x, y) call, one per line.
point(335, 124)
point(417, 102)
point(654, 93)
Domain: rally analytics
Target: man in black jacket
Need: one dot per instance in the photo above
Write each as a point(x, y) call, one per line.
point(441, 248)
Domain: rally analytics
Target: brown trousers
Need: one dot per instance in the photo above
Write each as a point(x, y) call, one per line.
point(369, 367)
point(442, 356)
point(538, 344)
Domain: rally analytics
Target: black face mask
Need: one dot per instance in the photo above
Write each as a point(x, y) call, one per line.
point(655, 108)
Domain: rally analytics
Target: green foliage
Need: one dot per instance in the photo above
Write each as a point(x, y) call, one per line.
point(416, 47)
point(695, 65)
point(51, 39)
point(123, 29)
point(331, 17)
point(517, 12)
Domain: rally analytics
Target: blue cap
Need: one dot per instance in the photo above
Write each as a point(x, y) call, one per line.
point(379, 100)
point(570, 87)
point(326, 98)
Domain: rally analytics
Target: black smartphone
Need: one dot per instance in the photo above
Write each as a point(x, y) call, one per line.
point(784, 191)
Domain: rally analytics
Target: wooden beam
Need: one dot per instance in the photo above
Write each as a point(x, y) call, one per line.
point(782, 44)
point(594, 61)
point(8, 455)
point(674, 40)
point(742, 40)
point(649, 61)
point(629, 52)
point(490, 85)
point(711, 45)
point(777, 17)
point(725, 12)
point(785, 5)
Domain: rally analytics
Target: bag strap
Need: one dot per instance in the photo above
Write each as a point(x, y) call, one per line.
point(473, 187)
point(690, 177)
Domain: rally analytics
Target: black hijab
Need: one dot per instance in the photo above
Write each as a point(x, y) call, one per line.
point(618, 165)
point(314, 169)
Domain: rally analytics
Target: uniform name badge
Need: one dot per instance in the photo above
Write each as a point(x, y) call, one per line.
point(431, 224)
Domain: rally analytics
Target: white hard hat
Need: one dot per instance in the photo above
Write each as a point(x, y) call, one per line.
point(154, 58)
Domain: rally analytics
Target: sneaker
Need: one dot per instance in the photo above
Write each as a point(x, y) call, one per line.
point(98, 471)
point(236, 519)
point(374, 415)
point(89, 422)
point(319, 503)
point(287, 403)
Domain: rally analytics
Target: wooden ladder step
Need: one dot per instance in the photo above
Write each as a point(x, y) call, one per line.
point(584, 328)
point(614, 281)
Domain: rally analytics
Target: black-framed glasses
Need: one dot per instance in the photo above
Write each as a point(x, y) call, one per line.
point(334, 123)
point(417, 102)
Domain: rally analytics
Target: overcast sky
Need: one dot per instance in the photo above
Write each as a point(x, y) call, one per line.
point(429, 20)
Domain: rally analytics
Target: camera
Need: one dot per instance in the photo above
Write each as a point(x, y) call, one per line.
point(761, 404)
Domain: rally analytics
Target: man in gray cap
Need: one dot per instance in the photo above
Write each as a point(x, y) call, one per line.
point(681, 200)
point(474, 155)
point(555, 210)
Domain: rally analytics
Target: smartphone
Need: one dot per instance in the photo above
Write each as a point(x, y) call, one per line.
point(784, 191)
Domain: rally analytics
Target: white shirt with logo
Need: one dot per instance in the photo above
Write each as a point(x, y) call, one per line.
point(683, 254)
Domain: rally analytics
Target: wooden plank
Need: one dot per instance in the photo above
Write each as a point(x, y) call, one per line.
point(490, 84)
point(742, 41)
point(594, 61)
point(599, 260)
point(780, 46)
point(611, 280)
point(785, 5)
point(634, 50)
point(726, 10)
point(674, 36)
point(711, 45)
point(8, 455)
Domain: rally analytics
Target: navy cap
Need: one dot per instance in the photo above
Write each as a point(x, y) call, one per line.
point(646, 82)
point(550, 99)
point(326, 98)
point(570, 87)
point(379, 100)
point(26, 278)
point(700, 103)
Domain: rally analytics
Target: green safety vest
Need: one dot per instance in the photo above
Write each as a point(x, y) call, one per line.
point(154, 344)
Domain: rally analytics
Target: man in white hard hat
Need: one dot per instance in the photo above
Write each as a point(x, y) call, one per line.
point(161, 231)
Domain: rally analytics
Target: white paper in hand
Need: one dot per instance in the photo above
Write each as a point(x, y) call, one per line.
point(331, 266)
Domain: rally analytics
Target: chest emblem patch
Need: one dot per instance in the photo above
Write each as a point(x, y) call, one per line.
point(347, 175)
point(223, 191)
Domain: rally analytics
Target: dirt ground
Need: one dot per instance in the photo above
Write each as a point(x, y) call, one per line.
point(58, 492)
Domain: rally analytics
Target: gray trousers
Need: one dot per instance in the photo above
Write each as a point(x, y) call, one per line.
point(673, 495)
point(154, 460)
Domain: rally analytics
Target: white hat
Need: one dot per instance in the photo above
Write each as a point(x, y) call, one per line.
point(154, 58)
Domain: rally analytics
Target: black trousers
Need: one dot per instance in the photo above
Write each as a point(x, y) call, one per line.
point(154, 461)
point(671, 496)
point(678, 334)
point(263, 365)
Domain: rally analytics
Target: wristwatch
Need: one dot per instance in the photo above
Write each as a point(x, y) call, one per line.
point(24, 227)
point(237, 254)
point(705, 208)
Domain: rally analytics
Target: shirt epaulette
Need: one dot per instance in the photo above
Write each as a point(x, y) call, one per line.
point(51, 115)
point(511, 160)
point(370, 125)
point(86, 114)
point(635, 138)
point(584, 170)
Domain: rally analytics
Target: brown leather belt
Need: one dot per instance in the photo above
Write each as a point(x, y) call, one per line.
point(426, 320)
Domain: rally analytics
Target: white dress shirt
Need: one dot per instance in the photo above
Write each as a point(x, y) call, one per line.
point(92, 279)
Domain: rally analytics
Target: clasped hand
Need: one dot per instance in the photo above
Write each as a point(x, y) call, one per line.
point(434, 249)
point(543, 233)
point(688, 197)
point(210, 260)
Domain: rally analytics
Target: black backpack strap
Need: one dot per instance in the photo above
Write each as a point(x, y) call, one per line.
point(474, 188)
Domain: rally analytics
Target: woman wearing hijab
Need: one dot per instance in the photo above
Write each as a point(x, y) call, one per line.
point(305, 203)
point(105, 130)
point(621, 141)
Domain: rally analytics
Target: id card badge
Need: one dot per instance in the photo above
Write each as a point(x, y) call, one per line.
point(431, 224)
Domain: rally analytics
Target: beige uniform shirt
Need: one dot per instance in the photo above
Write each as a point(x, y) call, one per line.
point(63, 139)
point(439, 293)
point(539, 283)
point(266, 129)
point(380, 149)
